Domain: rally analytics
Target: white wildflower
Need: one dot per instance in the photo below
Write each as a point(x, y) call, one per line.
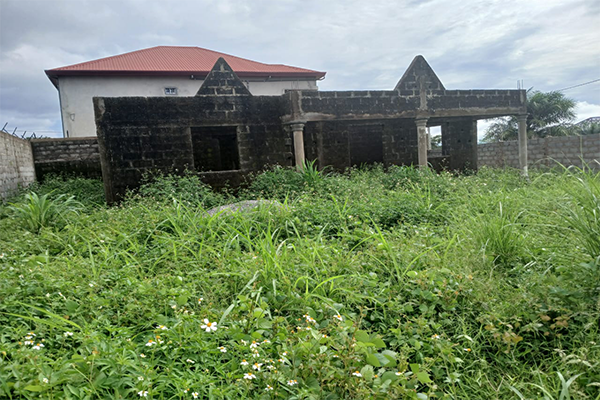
point(209, 326)
point(143, 393)
point(356, 373)
point(309, 319)
point(249, 376)
point(292, 382)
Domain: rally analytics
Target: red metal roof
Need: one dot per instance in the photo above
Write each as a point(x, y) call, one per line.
point(177, 60)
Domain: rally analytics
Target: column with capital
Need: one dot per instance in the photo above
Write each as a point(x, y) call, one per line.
point(298, 133)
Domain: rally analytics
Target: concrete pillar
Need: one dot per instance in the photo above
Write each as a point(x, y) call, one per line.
point(523, 143)
point(422, 141)
point(298, 131)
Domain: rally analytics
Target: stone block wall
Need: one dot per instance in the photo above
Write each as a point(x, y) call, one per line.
point(68, 155)
point(341, 144)
point(16, 164)
point(459, 143)
point(404, 103)
point(139, 134)
point(546, 152)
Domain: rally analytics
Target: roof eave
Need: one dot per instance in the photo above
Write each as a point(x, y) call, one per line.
point(53, 74)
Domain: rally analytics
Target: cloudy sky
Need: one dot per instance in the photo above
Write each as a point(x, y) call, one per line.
point(470, 44)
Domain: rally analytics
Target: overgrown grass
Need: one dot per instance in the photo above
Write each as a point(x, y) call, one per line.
point(369, 284)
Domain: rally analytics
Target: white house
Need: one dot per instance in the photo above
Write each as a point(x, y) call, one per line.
point(160, 71)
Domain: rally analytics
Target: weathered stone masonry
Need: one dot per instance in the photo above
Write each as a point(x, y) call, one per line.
point(224, 132)
point(580, 151)
point(136, 134)
point(73, 155)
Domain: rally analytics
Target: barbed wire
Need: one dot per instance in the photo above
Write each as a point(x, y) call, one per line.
point(22, 134)
point(581, 84)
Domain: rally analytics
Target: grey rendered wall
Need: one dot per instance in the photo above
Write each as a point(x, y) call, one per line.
point(16, 164)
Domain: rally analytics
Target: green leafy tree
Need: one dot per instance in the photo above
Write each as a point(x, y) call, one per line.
point(436, 142)
point(590, 128)
point(548, 114)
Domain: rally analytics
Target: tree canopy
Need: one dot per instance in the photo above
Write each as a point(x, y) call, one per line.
point(548, 114)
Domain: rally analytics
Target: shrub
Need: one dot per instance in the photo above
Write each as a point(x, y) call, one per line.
point(187, 188)
point(38, 212)
point(499, 236)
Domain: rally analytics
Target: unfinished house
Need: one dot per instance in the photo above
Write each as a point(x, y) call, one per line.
point(224, 132)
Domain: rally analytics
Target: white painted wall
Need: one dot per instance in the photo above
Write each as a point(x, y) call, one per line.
point(76, 94)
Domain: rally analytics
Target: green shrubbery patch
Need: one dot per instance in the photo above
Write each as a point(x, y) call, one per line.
point(374, 283)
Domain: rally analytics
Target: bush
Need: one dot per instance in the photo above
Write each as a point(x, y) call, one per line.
point(187, 188)
point(37, 212)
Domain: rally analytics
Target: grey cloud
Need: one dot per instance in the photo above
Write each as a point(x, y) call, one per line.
point(362, 45)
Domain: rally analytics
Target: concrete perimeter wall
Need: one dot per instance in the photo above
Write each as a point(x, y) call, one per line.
point(568, 150)
point(74, 155)
point(16, 164)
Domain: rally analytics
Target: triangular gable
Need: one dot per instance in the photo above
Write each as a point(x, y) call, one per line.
point(419, 73)
point(222, 81)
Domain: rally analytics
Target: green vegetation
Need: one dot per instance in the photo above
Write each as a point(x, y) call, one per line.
point(371, 284)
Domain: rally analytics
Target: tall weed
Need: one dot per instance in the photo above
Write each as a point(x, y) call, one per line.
point(37, 212)
point(581, 210)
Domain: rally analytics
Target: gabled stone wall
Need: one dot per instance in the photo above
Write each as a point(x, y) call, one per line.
point(138, 134)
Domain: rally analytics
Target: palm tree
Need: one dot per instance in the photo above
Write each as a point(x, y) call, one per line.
point(549, 114)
